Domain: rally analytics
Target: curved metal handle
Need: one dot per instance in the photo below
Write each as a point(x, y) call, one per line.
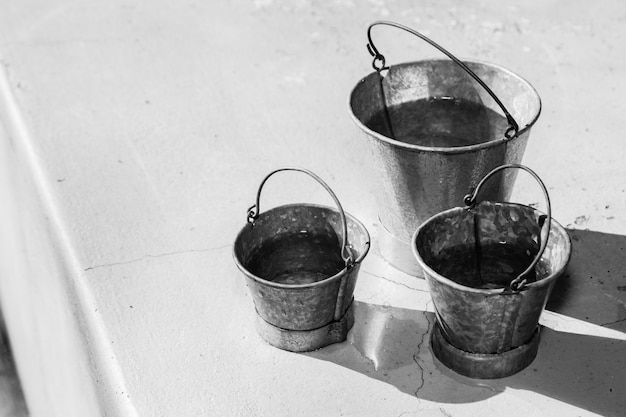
point(513, 128)
point(255, 210)
point(470, 200)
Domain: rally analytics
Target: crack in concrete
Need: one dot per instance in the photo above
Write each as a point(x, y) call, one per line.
point(393, 282)
point(617, 300)
point(416, 354)
point(613, 322)
point(68, 41)
point(444, 412)
point(421, 368)
point(161, 255)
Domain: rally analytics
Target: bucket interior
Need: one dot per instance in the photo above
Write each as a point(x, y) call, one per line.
point(436, 104)
point(489, 246)
point(298, 244)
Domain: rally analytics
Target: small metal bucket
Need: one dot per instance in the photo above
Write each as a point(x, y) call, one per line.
point(490, 268)
point(301, 263)
point(425, 157)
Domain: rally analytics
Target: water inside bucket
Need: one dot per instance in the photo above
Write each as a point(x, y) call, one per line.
point(499, 264)
point(297, 258)
point(439, 122)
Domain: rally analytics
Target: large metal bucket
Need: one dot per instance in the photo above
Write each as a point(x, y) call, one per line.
point(301, 263)
point(419, 170)
point(490, 268)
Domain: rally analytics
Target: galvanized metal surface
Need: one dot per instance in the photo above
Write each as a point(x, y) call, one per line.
point(379, 65)
point(484, 365)
point(335, 245)
point(253, 211)
point(307, 340)
point(481, 320)
point(301, 306)
point(544, 223)
point(415, 182)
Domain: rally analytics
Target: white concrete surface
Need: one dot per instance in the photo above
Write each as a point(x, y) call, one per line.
point(133, 137)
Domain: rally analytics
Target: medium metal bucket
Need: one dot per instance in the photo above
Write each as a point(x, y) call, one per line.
point(301, 263)
point(426, 159)
point(490, 268)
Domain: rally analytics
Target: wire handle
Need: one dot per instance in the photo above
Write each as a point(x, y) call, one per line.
point(255, 210)
point(379, 65)
point(470, 201)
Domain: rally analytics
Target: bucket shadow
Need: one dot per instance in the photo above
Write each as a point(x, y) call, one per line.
point(593, 288)
point(392, 345)
point(584, 371)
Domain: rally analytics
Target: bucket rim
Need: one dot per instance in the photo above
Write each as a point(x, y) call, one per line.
point(429, 272)
point(448, 149)
point(326, 280)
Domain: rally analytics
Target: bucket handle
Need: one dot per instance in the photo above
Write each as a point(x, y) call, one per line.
point(255, 210)
point(470, 201)
point(379, 65)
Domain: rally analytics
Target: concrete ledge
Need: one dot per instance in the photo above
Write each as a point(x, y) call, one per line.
point(63, 363)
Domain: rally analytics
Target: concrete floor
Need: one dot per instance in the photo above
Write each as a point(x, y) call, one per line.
point(133, 137)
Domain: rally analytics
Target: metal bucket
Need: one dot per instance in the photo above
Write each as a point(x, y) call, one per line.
point(490, 268)
point(434, 128)
point(301, 263)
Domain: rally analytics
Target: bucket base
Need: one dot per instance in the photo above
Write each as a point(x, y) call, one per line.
point(483, 365)
point(306, 340)
point(398, 253)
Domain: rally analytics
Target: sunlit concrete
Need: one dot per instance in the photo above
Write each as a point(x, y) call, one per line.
point(133, 137)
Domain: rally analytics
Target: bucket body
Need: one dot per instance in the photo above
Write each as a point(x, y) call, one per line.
point(473, 315)
point(303, 284)
point(426, 159)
